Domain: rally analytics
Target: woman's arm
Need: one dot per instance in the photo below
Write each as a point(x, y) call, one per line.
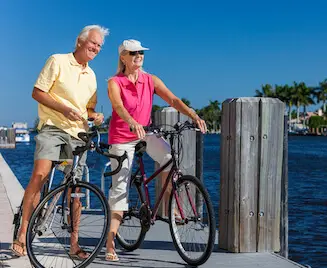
point(163, 92)
point(118, 106)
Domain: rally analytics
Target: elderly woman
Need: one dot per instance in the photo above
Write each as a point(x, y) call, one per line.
point(131, 92)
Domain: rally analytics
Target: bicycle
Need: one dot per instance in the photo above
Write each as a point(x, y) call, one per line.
point(62, 213)
point(189, 206)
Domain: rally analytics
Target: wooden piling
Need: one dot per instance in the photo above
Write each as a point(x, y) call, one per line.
point(7, 138)
point(251, 168)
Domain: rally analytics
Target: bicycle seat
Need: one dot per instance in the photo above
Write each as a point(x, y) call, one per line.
point(140, 148)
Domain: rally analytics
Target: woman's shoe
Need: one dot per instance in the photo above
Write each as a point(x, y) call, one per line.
point(111, 257)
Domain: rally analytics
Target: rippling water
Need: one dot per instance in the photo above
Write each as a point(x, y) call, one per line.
point(307, 189)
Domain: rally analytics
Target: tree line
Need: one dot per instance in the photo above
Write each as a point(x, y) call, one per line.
point(296, 95)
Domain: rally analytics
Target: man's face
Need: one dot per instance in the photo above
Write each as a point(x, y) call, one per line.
point(91, 46)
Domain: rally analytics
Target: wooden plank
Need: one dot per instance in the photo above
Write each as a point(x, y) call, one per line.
point(249, 173)
point(270, 174)
point(264, 138)
point(234, 176)
point(224, 175)
point(284, 195)
point(280, 108)
point(188, 153)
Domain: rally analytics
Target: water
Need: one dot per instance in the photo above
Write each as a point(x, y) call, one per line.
point(307, 189)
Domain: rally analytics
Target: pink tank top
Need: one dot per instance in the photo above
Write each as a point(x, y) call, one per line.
point(137, 100)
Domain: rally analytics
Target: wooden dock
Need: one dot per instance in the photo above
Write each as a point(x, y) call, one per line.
point(156, 251)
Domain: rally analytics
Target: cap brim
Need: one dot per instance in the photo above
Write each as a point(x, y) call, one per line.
point(139, 48)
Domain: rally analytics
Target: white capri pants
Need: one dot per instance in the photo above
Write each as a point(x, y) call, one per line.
point(157, 148)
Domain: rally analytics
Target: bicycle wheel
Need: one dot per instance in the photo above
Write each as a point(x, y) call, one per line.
point(52, 225)
point(193, 236)
point(131, 232)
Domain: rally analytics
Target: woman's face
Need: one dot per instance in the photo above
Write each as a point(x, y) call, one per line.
point(133, 59)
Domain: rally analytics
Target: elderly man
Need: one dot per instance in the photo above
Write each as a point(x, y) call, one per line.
point(66, 94)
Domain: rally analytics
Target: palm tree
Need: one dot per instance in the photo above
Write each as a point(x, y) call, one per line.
point(186, 101)
point(211, 114)
point(266, 91)
point(302, 96)
point(321, 94)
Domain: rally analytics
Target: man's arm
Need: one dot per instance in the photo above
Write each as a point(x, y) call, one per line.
point(44, 83)
point(45, 99)
point(91, 113)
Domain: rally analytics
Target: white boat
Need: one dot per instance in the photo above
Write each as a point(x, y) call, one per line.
point(22, 132)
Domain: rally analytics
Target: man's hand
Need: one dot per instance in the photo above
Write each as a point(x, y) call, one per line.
point(72, 114)
point(98, 119)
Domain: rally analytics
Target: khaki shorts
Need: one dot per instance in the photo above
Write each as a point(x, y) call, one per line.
point(54, 144)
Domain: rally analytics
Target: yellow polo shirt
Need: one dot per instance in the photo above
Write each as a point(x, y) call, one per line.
point(68, 82)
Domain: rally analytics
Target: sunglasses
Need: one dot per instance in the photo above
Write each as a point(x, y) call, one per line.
point(133, 53)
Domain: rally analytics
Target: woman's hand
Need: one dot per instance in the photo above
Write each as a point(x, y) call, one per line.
point(201, 124)
point(137, 129)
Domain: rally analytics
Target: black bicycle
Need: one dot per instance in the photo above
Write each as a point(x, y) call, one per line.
point(73, 210)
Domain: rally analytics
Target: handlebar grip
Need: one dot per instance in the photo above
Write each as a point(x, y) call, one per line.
point(104, 145)
point(83, 136)
point(147, 129)
point(79, 149)
point(120, 160)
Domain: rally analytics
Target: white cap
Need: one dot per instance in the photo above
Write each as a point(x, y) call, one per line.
point(131, 45)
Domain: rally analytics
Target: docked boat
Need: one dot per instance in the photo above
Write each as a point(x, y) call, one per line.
point(21, 131)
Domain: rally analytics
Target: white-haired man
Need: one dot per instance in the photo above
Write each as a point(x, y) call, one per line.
point(66, 94)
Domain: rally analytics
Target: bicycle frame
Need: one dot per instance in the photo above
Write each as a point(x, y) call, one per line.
point(69, 178)
point(172, 173)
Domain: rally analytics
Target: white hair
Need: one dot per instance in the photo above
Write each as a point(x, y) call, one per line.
point(84, 34)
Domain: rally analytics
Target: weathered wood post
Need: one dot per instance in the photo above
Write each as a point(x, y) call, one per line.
point(7, 138)
point(168, 117)
point(284, 196)
point(251, 169)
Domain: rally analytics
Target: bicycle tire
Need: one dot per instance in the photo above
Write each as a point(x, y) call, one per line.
point(31, 230)
point(132, 218)
point(195, 204)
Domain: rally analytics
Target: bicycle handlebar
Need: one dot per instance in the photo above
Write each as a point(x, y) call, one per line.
point(90, 144)
point(177, 128)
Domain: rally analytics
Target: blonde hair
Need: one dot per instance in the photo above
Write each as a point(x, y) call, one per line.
point(84, 34)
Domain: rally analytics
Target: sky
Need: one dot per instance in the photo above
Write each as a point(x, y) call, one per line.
point(202, 50)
